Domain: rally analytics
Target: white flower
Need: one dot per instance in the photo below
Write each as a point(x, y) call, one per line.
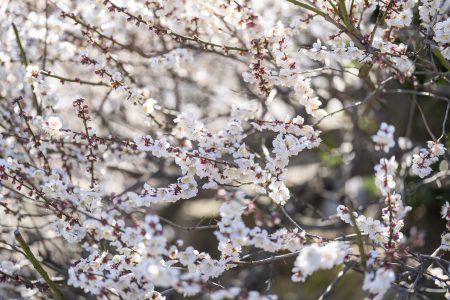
point(385, 176)
point(400, 19)
point(435, 148)
point(230, 293)
point(384, 138)
point(32, 73)
point(403, 64)
point(343, 213)
point(317, 52)
point(52, 126)
point(160, 147)
point(442, 32)
point(279, 192)
point(314, 257)
point(54, 123)
point(149, 106)
point(132, 236)
point(144, 143)
point(211, 268)
point(426, 157)
point(378, 283)
point(187, 256)
point(372, 227)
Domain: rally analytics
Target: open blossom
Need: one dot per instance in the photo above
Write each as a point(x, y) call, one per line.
point(52, 126)
point(224, 183)
point(32, 73)
point(377, 283)
point(317, 51)
point(72, 234)
point(376, 230)
point(279, 192)
point(370, 226)
point(442, 37)
point(403, 14)
point(384, 138)
point(442, 32)
point(385, 175)
point(315, 257)
point(149, 106)
point(344, 213)
point(403, 64)
point(426, 157)
point(400, 19)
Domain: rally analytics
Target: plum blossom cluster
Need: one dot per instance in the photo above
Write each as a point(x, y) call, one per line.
point(143, 261)
point(374, 229)
point(426, 157)
point(378, 278)
point(293, 137)
point(233, 235)
point(433, 14)
point(206, 161)
point(378, 283)
point(316, 257)
point(385, 175)
point(182, 113)
point(384, 138)
point(442, 37)
point(394, 211)
point(52, 126)
point(402, 15)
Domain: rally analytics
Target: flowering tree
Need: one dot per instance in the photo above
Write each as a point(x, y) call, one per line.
point(164, 149)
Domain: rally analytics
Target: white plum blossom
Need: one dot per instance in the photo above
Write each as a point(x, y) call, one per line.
point(442, 37)
point(426, 157)
point(196, 147)
point(149, 106)
point(375, 230)
point(403, 64)
point(378, 283)
point(52, 126)
point(316, 257)
point(384, 138)
point(385, 175)
point(33, 73)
